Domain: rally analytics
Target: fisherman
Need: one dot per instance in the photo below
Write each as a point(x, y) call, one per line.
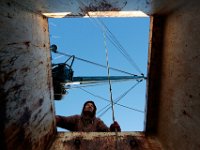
point(86, 122)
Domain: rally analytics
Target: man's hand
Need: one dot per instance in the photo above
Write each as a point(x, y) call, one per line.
point(115, 127)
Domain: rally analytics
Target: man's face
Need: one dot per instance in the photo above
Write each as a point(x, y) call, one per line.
point(89, 107)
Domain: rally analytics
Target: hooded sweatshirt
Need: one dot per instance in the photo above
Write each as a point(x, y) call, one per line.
point(83, 123)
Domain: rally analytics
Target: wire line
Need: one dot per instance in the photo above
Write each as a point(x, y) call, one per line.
point(118, 99)
point(100, 65)
point(107, 99)
point(109, 81)
point(116, 43)
point(122, 49)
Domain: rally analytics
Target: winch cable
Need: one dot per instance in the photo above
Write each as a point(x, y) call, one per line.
point(116, 43)
point(111, 37)
point(118, 99)
point(104, 28)
point(110, 90)
point(97, 96)
point(115, 103)
point(97, 64)
point(109, 81)
point(120, 47)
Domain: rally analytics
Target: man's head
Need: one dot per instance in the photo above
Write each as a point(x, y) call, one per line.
point(89, 108)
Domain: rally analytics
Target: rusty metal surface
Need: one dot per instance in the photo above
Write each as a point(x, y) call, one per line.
point(173, 113)
point(104, 140)
point(179, 107)
point(71, 8)
point(26, 100)
point(154, 76)
point(100, 8)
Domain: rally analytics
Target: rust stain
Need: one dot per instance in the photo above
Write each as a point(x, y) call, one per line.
point(190, 96)
point(25, 140)
point(51, 108)
point(25, 116)
point(9, 75)
point(18, 137)
point(37, 104)
point(133, 143)
point(25, 69)
point(77, 143)
point(49, 82)
point(13, 59)
point(27, 43)
point(9, 15)
point(23, 101)
point(36, 115)
point(12, 43)
point(44, 17)
point(43, 117)
point(41, 100)
point(16, 87)
point(8, 3)
point(101, 6)
point(127, 142)
point(196, 57)
point(186, 114)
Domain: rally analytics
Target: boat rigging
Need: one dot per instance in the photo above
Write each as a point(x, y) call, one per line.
point(63, 78)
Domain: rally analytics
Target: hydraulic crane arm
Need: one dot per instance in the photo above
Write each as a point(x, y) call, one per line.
point(98, 79)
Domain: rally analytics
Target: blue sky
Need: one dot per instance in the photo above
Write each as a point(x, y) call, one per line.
point(83, 37)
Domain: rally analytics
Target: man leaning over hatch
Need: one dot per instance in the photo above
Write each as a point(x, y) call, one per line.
point(86, 122)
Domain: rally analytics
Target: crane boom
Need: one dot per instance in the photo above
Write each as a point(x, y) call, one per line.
point(97, 79)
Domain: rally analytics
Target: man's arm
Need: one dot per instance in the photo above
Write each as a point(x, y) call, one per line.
point(101, 126)
point(68, 123)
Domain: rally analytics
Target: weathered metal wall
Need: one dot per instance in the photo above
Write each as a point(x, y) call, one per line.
point(104, 141)
point(100, 8)
point(154, 74)
point(81, 8)
point(176, 98)
point(26, 101)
